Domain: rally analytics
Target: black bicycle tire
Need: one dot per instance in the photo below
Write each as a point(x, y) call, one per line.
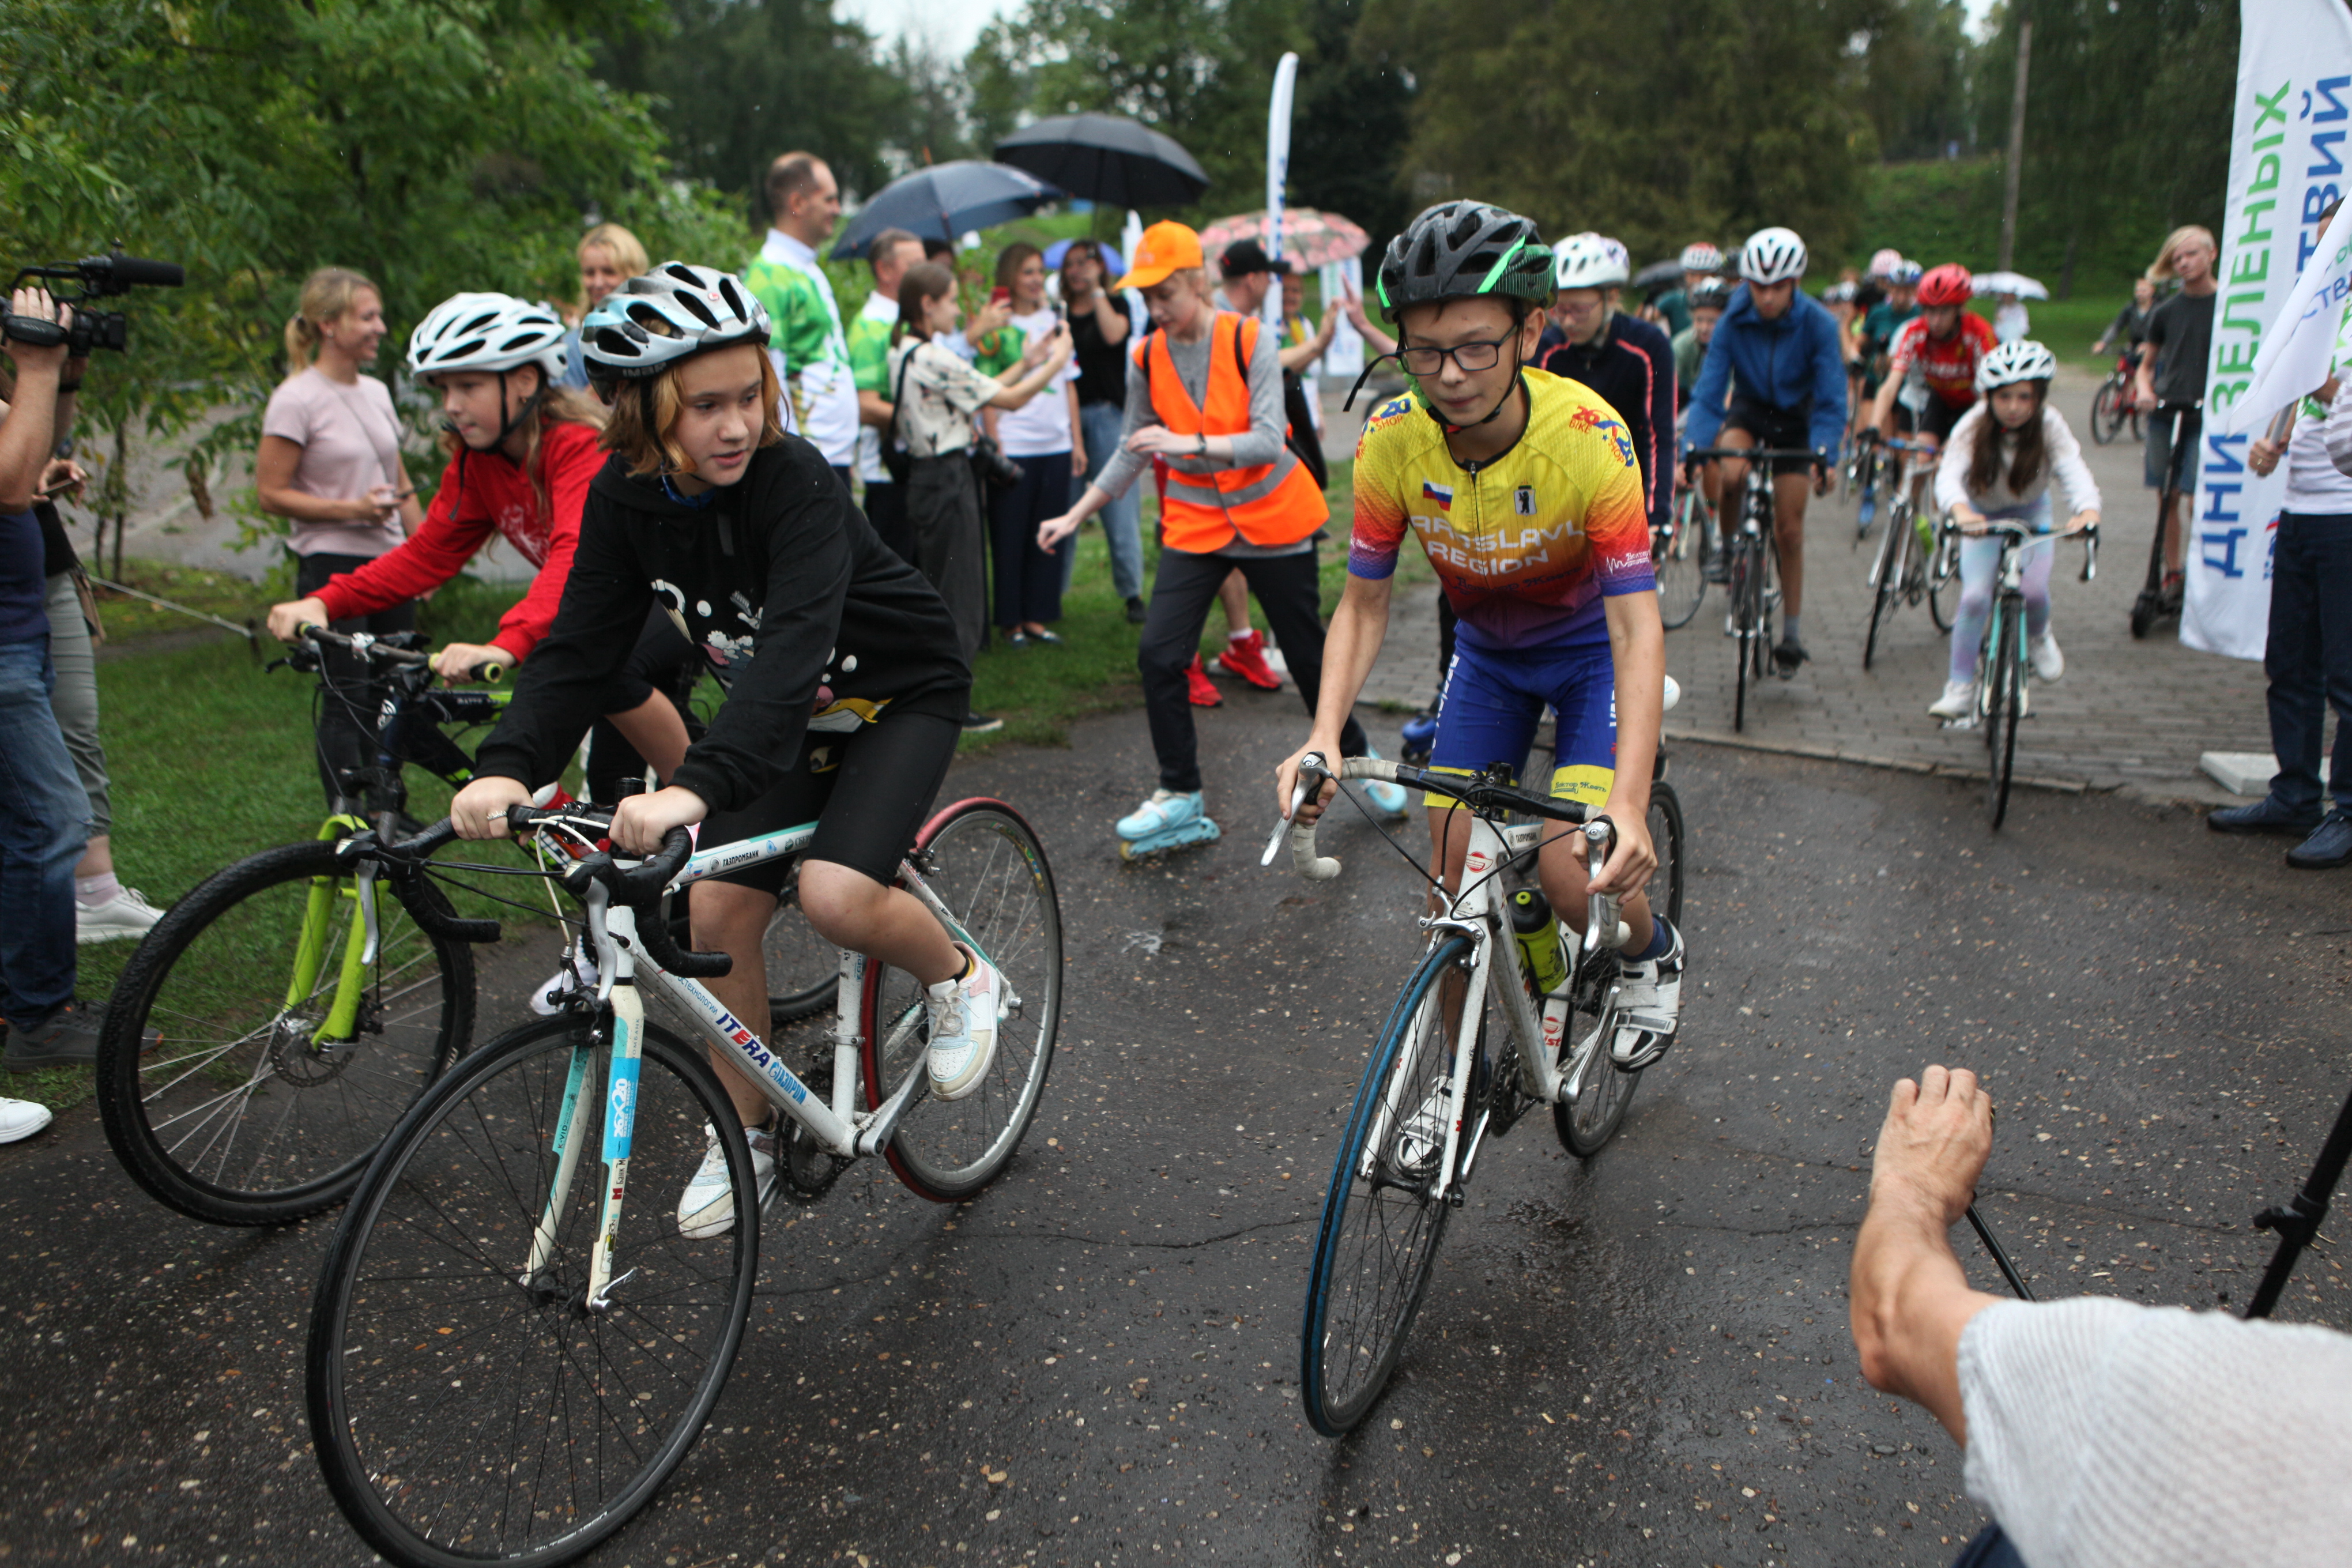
point(1768, 583)
point(1738, 587)
point(1592, 982)
point(1890, 551)
point(1687, 533)
point(1943, 572)
point(122, 1096)
point(1995, 691)
point(2013, 680)
point(1335, 1418)
point(2104, 423)
point(920, 1175)
point(344, 1471)
point(1666, 801)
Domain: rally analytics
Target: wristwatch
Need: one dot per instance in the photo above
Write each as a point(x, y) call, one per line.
point(1203, 439)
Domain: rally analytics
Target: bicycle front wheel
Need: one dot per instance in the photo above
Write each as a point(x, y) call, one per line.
point(287, 1052)
point(468, 1409)
point(2005, 678)
point(1944, 582)
point(1743, 587)
point(1678, 557)
point(1376, 1244)
point(1887, 572)
point(2106, 412)
point(986, 866)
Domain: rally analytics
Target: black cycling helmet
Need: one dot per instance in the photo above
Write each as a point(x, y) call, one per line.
point(1712, 292)
point(1458, 250)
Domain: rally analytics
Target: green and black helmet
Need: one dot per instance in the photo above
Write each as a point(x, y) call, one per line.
point(1458, 250)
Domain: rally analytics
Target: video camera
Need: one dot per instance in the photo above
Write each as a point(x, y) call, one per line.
point(101, 278)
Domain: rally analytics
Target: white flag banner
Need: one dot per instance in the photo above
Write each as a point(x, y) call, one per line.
point(2301, 347)
point(1277, 173)
point(1345, 357)
point(2288, 141)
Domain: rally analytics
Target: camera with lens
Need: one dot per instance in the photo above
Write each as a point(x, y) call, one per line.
point(100, 277)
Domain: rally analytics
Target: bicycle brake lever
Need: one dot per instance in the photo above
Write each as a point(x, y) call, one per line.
point(1282, 825)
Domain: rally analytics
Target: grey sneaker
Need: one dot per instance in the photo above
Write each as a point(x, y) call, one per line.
point(66, 1037)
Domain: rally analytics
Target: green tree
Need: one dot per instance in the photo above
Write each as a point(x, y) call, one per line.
point(2126, 127)
point(1657, 121)
point(435, 145)
point(735, 82)
point(1199, 70)
point(1353, 118)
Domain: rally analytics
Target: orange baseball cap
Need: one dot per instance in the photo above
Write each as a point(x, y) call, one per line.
point(1165, 248)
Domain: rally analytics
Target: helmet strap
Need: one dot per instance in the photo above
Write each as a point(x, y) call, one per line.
point(530, 405)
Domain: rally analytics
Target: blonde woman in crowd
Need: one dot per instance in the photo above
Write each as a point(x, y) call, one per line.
point(609, 254)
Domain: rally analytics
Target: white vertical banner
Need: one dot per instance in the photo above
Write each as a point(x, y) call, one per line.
point(1345, 357)
point(1130, 237)
point(1278, 172)
point(2288, 140)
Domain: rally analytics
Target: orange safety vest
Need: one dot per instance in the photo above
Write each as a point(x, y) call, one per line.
point(1271, 503)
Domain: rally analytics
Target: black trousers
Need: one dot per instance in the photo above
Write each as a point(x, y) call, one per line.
point(347, 715)
point(1029, 580)
point(886, 509)
point(2308, 657)
point(1288, 592)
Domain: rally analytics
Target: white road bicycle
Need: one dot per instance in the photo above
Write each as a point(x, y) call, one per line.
point(1438, 1085)
point(507, 1356)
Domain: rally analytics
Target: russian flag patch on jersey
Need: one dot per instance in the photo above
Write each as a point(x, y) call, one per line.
point(1442, 494)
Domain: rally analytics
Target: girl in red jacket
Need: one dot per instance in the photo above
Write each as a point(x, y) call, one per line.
point(521, 449)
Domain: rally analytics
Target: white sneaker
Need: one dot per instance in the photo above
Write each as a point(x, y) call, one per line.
point(20, 1119)
point(578, 970)
point(708, 1206)
point(964, 1028)
point(2048, 662)
point(1958, 701)
point(1422, 1140)
point(127, 913)
point(1649, 1006)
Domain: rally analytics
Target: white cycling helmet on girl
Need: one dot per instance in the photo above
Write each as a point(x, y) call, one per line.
point(2021, 359)
point(486, 333)
point(1589, 261)
point(668, 314)
point(1772, 255)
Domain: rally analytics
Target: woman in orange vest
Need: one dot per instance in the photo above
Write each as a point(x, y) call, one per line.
point(1204, 395)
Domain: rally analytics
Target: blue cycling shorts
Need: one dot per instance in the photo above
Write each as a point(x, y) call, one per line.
point(1492, 702)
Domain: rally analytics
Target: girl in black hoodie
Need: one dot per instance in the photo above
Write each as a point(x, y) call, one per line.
point(845, 689)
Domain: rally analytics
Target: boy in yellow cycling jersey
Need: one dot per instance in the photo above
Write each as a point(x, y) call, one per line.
point(1525, 492)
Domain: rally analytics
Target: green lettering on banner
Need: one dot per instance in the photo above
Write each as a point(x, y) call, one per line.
point(2272, 107)
point(2223, 393)
point(2235, 358)
point(2264, 181)
point(2255, 236)
point(2232, 319)
point(2249, 266)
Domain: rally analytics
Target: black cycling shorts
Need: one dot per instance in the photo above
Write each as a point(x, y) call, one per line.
point(869, 791)
point(1771, 425)
point(1938, 422)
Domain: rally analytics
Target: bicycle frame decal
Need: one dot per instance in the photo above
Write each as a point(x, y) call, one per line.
point(746, 852)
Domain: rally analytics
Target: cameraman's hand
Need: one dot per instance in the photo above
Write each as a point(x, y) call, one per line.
point(35, 303)
point(62, 477)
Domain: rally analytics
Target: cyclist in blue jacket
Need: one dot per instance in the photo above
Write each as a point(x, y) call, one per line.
point(1778, 347)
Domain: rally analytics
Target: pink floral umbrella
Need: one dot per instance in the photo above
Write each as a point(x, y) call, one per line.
point(1309, 239)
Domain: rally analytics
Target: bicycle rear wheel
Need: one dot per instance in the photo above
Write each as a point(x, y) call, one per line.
point(981, 859)
point(2106, 412)
point(2005, 680)
point(803, 969)
point(464, 1413)
point(261, 1105)
point(1377, 1243)
point(1677, 556)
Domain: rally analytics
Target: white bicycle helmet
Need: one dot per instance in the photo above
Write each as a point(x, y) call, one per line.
point(1772, 255)
point(668, 314)
point(1903, 274)
point(1883, 261)
point(486, 333)
point(1701, 257)
point(2020, 360)
point(1589, 261)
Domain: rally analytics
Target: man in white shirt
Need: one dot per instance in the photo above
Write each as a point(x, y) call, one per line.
point(889, 254)
point(805, 337)
point(2100, 1434)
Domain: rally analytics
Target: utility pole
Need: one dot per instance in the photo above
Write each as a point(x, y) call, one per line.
point(2014, 166)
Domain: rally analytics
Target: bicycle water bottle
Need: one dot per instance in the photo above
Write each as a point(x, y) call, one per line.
point(1538, 934)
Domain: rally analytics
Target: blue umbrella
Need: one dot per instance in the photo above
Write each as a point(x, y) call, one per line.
point(945, 200)
point(1114, 264)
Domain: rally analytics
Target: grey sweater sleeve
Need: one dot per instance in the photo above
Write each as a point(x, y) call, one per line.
point(1261, 445)
point(2106, 1435)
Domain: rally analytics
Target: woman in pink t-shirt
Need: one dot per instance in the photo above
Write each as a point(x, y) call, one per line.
point(330, 463)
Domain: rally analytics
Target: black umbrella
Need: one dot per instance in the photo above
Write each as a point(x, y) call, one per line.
point(1659, 275)
point(1106, 158)
point(943, 201)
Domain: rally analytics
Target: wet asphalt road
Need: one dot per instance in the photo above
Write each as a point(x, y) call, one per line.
point(1644, 1360)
